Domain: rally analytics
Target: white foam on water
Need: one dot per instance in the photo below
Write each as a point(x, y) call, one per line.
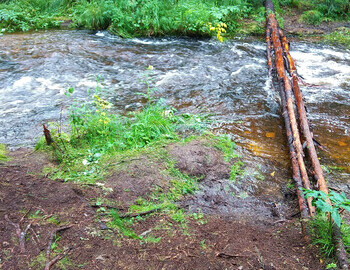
point(100, 34)
point(166, 77)
point(249, 66)
point(22, 82)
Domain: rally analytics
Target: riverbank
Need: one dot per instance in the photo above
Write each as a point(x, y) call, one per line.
point(107, 232)
point(157, 18)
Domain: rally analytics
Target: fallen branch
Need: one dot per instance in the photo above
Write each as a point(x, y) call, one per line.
point(59, 257)
point(130, 215)
point(50, 262)
point(228, 256)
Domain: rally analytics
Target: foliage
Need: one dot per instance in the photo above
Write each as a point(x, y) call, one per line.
point(129, 18)
point(227, 147)
point(338, 201)
point(321, 225)
point(97, 133)
point(316, 11)
point(3, 152)
point(24, 15)
point(320, 232)
point(311, 17)
point(341, 36)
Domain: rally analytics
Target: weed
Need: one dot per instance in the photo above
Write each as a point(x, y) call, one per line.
point(236, 170)
point(179, 216)
point(129, 18)
point(311, 17)
point(341, 36)
point(321, 225)
point(3, 153)
point(227, 147)
point(203, 244)
point(337, 200)
point(290, 185)
point(122, 225)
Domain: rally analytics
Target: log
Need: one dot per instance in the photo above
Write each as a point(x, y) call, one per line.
point(287, 86)
point(295, 167)
point(282, 78)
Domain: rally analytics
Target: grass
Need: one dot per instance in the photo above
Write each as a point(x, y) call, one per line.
point(98, 136)
point(341, 36)
point(317, 11)
point(99, 141)
point(3, 153)
point(227, 147)
point(322, 236)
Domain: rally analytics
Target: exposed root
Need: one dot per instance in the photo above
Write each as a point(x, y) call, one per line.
point(20, 234)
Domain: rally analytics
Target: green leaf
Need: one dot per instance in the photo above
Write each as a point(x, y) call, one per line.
point(336, 197)
point(346, 207)
point(336, 217)
point(323, 206)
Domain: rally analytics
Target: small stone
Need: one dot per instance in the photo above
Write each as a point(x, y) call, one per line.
point(5, 244)
point(100, 257)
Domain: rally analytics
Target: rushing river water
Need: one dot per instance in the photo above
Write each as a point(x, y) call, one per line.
point(228, 80)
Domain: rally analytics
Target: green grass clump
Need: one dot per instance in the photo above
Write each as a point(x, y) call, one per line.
point(227, 147)
point(3, 153)
point(312, 17)
point(321, 234)
point(25, 15)
point(316, 11)
point(97, 135)
point(341, 36)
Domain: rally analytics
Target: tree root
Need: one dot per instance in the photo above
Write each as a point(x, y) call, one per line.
point(20, 234)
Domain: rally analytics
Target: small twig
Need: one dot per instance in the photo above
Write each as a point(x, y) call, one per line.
point(52, 237)
point(335, 189)
point(120, 162)
point(35, 238)
point(49, 263)
point(129, 215)
point(104, 205)
point(59, 257)
point(226, 256)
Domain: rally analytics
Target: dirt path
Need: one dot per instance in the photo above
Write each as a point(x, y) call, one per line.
point(225, 241)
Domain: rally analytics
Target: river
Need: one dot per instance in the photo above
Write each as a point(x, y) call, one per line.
point(228, 80)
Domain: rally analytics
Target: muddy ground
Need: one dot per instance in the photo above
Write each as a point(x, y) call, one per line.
point(236, 233)
point(293, 26)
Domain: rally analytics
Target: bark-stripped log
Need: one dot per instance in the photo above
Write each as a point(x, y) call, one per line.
point(295, 166)
point(282, 77)
point(287, 85)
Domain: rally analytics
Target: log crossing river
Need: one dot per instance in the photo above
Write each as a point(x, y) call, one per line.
point(228, 80)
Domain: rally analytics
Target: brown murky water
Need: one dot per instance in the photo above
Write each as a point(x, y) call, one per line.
point(227, 80)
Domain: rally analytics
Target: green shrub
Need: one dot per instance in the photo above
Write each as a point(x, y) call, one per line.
point(3, 153)
point(30, 15)
point(312, 17)
point(94, 14)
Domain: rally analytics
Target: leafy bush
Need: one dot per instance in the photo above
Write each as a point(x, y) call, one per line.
point(32, 14)
point(94, 14)
point(311, 17)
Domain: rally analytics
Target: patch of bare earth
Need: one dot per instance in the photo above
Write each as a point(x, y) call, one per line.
point(294, 26)
point(222, 240)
